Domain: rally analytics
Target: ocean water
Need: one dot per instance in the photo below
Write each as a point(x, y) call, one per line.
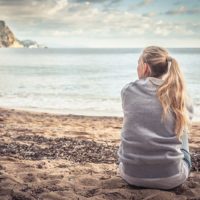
point(80, 81)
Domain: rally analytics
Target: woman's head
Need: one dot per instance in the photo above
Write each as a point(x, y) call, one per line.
point(156, 62)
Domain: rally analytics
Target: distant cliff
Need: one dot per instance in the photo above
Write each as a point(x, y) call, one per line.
point(8, 39)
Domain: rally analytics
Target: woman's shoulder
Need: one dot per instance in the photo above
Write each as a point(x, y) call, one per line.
point(127, 86)
point(133, 84)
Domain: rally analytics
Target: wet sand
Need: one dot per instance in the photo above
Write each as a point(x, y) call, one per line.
point(61, 157)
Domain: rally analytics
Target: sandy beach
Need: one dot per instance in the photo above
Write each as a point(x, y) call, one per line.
point(62, 157)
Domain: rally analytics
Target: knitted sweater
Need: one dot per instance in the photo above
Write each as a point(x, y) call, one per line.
point(148, 147)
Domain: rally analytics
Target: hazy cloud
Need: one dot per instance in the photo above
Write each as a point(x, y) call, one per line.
point(86, 19)
point(150, 14)
point(144, 3)
point(97, 1)
point(183, 10)
point(141, 4)
point(60, 5)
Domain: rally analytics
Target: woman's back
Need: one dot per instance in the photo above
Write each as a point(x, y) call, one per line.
point(149, 148)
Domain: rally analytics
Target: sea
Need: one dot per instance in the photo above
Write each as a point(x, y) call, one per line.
point(81, 81)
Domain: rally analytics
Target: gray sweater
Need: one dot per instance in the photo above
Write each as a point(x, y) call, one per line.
point(148, 147)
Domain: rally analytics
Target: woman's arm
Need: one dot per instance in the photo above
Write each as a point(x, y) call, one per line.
point(123, 93)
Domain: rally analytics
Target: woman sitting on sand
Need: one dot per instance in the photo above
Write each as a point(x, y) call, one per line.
point(154, 149)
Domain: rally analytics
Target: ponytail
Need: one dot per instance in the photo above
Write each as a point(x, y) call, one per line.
point(172, 95)
point(172, 92)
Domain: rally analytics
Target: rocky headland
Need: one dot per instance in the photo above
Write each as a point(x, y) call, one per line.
point(8, 39)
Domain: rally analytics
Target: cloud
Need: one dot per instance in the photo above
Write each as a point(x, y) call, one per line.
point(183, 10)
point(144, 3)
point(12, 3)
point(84, 19)
point(97, 1)
point(177, 2)
point(141, 4)
point(60, 5)
point(149, 14)
point(62, 17)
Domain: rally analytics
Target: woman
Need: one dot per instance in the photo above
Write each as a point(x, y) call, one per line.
point(154, 149)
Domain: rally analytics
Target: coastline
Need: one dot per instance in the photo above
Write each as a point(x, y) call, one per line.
point(59, 112)
point(65, 156)
point(63, 113)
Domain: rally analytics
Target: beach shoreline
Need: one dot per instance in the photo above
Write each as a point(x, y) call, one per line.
point(59, 112)
point(65, 156)
point(63, 113)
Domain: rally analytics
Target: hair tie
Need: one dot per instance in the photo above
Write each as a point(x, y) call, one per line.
point(169, 59)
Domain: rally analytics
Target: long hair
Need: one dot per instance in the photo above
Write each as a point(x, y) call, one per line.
point(172, 92)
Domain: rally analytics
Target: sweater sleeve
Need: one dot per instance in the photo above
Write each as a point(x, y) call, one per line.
point(123, 93)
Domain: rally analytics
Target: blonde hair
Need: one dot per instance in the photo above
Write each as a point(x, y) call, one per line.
point(172, 93)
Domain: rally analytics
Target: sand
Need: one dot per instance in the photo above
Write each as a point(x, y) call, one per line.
point(61, 157)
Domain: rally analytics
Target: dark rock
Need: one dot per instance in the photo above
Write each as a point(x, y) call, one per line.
point(37, 147)
point(7, 37)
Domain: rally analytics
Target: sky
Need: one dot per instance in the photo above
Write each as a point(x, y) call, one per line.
point(104, 23)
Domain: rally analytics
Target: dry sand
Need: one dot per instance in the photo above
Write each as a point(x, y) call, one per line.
point(63, 157)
